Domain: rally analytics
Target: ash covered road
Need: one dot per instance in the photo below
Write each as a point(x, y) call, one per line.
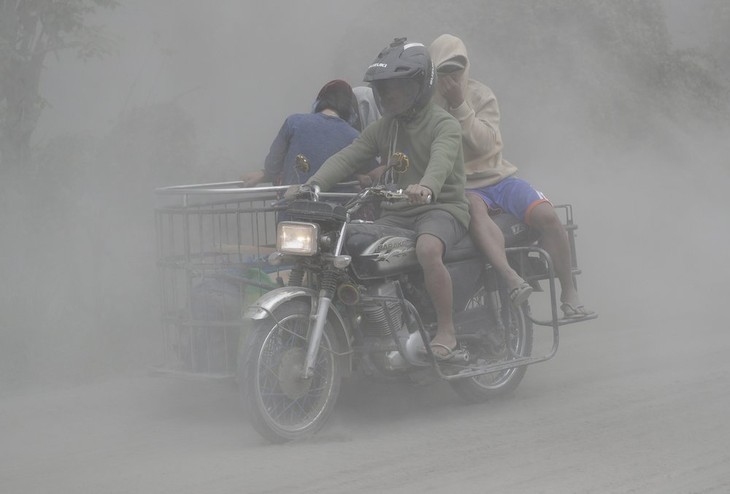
point(620, 409)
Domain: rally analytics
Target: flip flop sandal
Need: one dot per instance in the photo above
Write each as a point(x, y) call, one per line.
point(575, 312)
point(519, 295)
point(446, 356)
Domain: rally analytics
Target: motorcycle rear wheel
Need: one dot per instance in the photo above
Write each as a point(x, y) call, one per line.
point(518, 329)
point(280, 404)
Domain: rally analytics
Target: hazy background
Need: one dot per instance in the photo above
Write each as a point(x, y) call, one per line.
point(620, 108)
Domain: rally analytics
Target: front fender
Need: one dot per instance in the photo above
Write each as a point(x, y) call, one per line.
point(273, 299)
point(269, 301)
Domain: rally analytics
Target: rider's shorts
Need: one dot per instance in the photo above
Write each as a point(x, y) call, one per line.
point(437, 222)
point(512, 195)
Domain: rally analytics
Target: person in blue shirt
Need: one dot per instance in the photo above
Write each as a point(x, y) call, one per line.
point(306, 140)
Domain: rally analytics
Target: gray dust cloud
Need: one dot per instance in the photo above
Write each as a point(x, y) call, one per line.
point(619, 108)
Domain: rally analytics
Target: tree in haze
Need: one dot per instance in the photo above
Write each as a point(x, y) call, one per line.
point(607, 67)
point(718, 14)
point(30, 30)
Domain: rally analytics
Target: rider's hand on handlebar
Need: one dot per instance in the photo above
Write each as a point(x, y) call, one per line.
point(297, 191)
point(292, 192)
point(418, 194)
point(364, 181)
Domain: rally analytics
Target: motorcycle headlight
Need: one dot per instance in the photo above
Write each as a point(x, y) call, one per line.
point(293, 237)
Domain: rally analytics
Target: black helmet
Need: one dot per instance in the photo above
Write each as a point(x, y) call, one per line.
point(408, 65)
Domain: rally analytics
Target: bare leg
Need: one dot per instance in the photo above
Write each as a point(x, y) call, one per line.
point(487, 235)
point(554, 239)
point(430, 251)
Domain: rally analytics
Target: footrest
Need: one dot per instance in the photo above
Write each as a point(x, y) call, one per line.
point(564, 321)
point(478, 370)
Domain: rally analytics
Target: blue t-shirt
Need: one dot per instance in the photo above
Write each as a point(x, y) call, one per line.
point(315, 135)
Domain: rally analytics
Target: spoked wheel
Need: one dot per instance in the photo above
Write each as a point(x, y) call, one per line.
point(281, 404)
point(518, 342)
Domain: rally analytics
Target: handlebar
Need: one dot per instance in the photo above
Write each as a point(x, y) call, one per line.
point(383, 193)
point(379, 192)
point(396, 195)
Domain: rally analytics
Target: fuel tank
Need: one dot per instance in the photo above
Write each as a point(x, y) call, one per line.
point(378, 251)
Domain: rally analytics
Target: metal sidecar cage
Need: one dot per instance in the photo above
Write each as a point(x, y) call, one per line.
point(213, 243)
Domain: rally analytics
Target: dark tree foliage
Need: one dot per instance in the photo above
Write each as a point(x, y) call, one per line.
point(30, 30)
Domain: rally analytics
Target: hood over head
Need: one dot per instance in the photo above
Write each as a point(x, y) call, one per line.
point(449, 55)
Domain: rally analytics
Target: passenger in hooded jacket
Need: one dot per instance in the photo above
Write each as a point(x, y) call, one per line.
point(491, 182)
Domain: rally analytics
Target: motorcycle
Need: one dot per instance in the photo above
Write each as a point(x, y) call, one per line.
point(355, 302)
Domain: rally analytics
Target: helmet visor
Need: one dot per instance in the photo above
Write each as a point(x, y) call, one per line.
point(395, 96)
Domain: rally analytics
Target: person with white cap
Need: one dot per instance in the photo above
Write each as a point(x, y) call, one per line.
point(367, 109)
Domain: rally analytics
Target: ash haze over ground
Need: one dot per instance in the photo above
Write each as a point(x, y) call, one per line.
point(599, 109)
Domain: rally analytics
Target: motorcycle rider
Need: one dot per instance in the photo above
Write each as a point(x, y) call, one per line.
point(427, 142)
point(491, 181)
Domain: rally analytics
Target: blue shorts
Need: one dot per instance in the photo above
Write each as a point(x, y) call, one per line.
point(512, 195)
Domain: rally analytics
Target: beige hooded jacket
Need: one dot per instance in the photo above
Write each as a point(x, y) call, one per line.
point(479, 119)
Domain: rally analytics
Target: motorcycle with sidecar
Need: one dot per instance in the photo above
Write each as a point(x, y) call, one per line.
point(355, 303)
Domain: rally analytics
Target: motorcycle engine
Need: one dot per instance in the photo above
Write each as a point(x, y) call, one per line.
point(375, 316)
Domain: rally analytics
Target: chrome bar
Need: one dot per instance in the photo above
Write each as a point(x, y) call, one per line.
point(237, 188)
point(341, 240)
point(316, 335)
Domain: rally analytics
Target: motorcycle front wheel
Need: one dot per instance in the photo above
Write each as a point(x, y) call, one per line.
point(518, 341)
point(281, 405)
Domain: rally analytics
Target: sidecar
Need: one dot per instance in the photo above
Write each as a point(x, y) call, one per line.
point(213, 241)
point(213, 245)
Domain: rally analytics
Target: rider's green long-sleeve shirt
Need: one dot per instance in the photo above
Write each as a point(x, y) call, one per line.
point(432, 142)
